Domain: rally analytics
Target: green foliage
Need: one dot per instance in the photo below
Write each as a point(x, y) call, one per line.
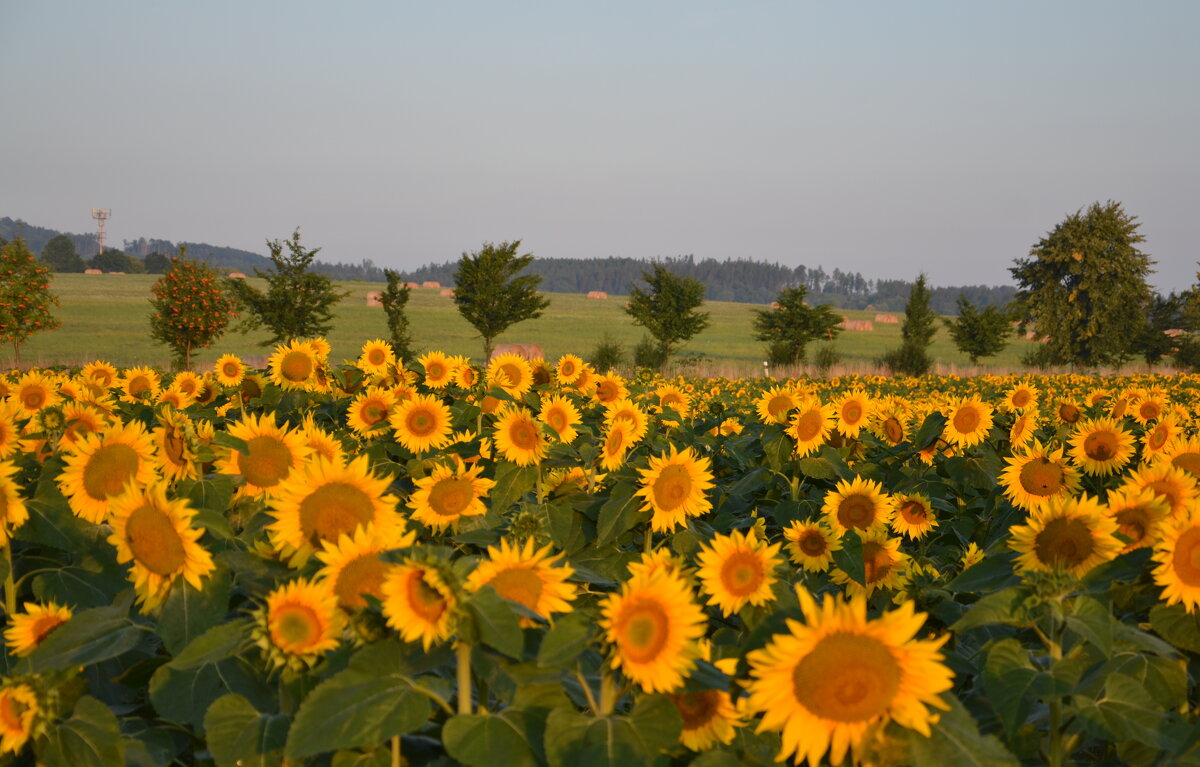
point(25, 296)
point(916, 334)
point(298, 302)
point(191, 310)
point(491, 296)
point(647, 354)
point(788, 329)
point(60, 255)
point(395, 302)
point(666, 308)
point(1083, 288)
point(825, 357)
point(979, 333)
point(156, 263)
point(607, 354)
point(113, 260)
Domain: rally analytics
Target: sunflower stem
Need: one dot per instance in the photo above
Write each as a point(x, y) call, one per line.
point(464, 677)
point(648, 541)
point(587, 690)
point(10, 586)
point(608, 694)
point(1055, 752)
point(396, 751)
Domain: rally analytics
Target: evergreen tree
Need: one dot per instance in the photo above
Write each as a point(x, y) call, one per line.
point(25, 296)
point(920, 325)
point(298, 303)
point(790, 328)
point(979, 333)
point(1083, 288)
point(191, 311)
point(490, 295)
point(60, 255)
point(395, 301)
point(666, 308)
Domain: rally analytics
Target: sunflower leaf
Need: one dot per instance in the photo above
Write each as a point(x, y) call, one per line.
point(618, 514)
point(90, 738)
point(479, 740)
point(239, 736)
point(188, 613)
point(562, 644)
point(850, 557)
point(1177, 626)
point(930, 431)
point(1005, 606)
point(90, 636)
point(512, 482)
point(955, 739)
point(497, 622)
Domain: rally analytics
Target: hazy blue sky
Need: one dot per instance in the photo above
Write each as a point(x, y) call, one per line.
point(883, 137)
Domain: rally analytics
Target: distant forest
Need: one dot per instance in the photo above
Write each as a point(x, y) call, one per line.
point(742, 280)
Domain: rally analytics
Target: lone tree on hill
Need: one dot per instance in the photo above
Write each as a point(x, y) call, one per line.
point(60, 255)
point(191, 311)
point(790, 328)
point(667, 308)
point(920, 325)
point(25, 296)
point(979, 334)
point(395, 300)
point(1083, 288)
point(297, 304)
point(491, 296)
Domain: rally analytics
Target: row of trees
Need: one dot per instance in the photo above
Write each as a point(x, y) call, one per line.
point(60, 255)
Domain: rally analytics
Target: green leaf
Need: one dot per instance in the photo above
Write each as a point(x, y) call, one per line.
point(817, 468)
point(1177, 626)
point(850, 557)
point(225, 439)
point(993, 573)
point(239, 736)
point(1125, 712)
point(777, 447)
point(658, 723)
point(488, 739)
point(52, 524)
point(1004, 607)
point(618, 514)
point(512, 482)
point(955, 740)
point(930, 431)
point(1092, 621)
point(1012, 683)
point(216, 644)
point(184, 695)
point(570, 636)
point(498, 623)
point(752, 481)
point(90, 636)
point(566, 729)
point(210, 494)
point(90, 738)
point(188, 613)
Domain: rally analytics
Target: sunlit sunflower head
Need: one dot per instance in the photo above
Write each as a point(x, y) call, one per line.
point(811, 425)
point(100, 373)
point(811, 545)
point(858, 504)
point(567, 369)
point(319, 441)
point(174, 398)
point(738, 569)
point(1147, 409)
point(1023, 428)
point(884, 565)
point(466, 376)
point(79, 420)
point(13, 512)
point(1178, 556)
point(1068, 412)
point(853, 411)
point(585, 381)
point(421, 423)
point(1173, 484)
point(709, 717)
point(915, 516)
point(775, 404)
point(187, 383)
point(368, 412)
point(1139, 516)
point(561, 415)
point(439, 370)
point(325, 500)
point(19, 712)
point(510, 372)
point(675, 487)
point(831, 682)
point(140, 384)
point(449, 493)
point(272, 453)
point(1036, 475)
point(1021, 397)
point(29, 629)
point(418, 603)
point(1071, 535)
point(1164, 431)
point(300, 624)
point(890, 423)
point(618, 439)
point(968, 422)
point(653, 624)
point(628, 410)
point(1100, 446)
point(519, 438)
point(102, 465)
point(229, 370)
point(10, 429)
point(610, 387)
point(353, 566)
point(294, 365)
point(972, 556)
point(659, 559)
point(673, 398)
point(1181, 453)
point(376, 357)
point(34, 391)
point(153, 534)
point(174, 453)
point(526, 575)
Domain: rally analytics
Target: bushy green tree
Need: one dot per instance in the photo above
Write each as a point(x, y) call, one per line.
point(156, 263)
point(916, 334)
point(191, 310)
point(788, 329)
point(298, 303)
point(979, 334)
point(395, 302)
point(492, 295)
point(60, 255)
point(666, 308)
point(113, 260)
point(25, 296)
point(1084, 288)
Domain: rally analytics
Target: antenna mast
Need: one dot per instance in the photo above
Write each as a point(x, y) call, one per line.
point(101, 215)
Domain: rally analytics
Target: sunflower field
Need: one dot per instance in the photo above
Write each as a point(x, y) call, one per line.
point(425, 562)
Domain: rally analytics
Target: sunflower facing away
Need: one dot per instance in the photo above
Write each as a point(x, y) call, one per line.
point(811, 545)
point(1067, 534)
point(273, 452)
point(421, 423)
point(352, 565)
point(448, 494)
point(675, 487)
point(811, 425)
point(1036, 475)
point(102, 465)
point(18, 709)
point(13, 512)
point(528, 576)
point(861, 504)
point(831, 680)
point(300, 623)
point(653, 624)
point(519, 438)
point(418, 604)
point(29, 629)
point(738, 569)
point(1178, 556)
point(174, 454)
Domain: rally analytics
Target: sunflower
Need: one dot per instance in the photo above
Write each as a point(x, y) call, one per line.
point(1147, 409)
point(300, 624)
point(1156, 438)
point(187, 383)
point(10, 432)
point(972, 556)
point(79, 419)
point(272, 452)
point(738, 569)
point(527, 576)
point(585, 381)
point(139, 384)
point(1068, 412)
point(439, 370)
point(353, 567)
point(811, 425)
point(914, 516)
point(448, 494)
point(567, 369)
point(1100, 446)
point(1021, 397)
point(627, 410)
point(1173, 484)
point(831, 681)
point(659, 559)
point(174, 398)
point(102, 465)
point(319, 441)
point(29, 629)
point(294, 365)
point(884, 565)
point(674, 488)
point(617, 441)
point(376, 357)
point(421, 423)
point(560, 415)
point(1178, 556)
point(325, 500)
point(510, 372)
point(1022, 429)
point(673, 398)
point(33, 392)
point(466, 376)
point(653, 624)
point(775, 404)
point(154, 534)
point(1181, 453)
point(418, 604)
point(811, 545)
point(890, 424)
point(709, 717)
point(18, 709)
point(370, 410)
point(1139, 516)
point(968, 422)
point(1036, 475)
point(13, 512)
point(861, 504)
point(229, 370)
point(174, 454)
point(610, 387)
point(100, 373)
point(853, 410)
point(518, 437)
point(1068, 534)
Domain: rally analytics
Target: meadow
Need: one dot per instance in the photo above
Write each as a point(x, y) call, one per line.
point(104, 317)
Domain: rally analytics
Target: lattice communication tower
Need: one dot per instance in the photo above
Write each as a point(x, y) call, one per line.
point(101, 215)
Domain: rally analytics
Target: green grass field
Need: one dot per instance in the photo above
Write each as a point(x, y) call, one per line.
point(105, 317)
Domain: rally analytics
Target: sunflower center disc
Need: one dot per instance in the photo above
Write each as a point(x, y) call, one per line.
point(1041, 477)
point(267, 462)
point(424, 600)
point(520, 584)
point(851, 412)
point(1165, 489)
point(11, 712)
point(154, 541)
point(1064, 543)
point(335, 509)
point(108, 469)
point(779, 405)
point(812, 543)
point(376, 357)
point(893, 430)
point(1189, 462)
point(421, 422)
point(173, 445)
point(742, 573)
point(295, 627)
point(523, 435)
point(1068, 413)
point(808, 426)
point(362, 575)
point(1132, 523)
point(1100, 446)
point(43, 626)
point(856, 511)
point(450, 496)
point(913, 513)
point(877, 562)
point(33, 399)
point(296, 366)
point(966, 420)
point(697, 708)
point(138, 385)
point(672, 488)
point(373, 412)
point(1186, 561)
point(642, 631)
point(847, 678)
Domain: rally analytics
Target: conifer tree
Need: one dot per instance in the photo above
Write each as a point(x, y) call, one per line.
point(25, 296)
point(920, 325)
point(395, 302)
point(977, 333)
